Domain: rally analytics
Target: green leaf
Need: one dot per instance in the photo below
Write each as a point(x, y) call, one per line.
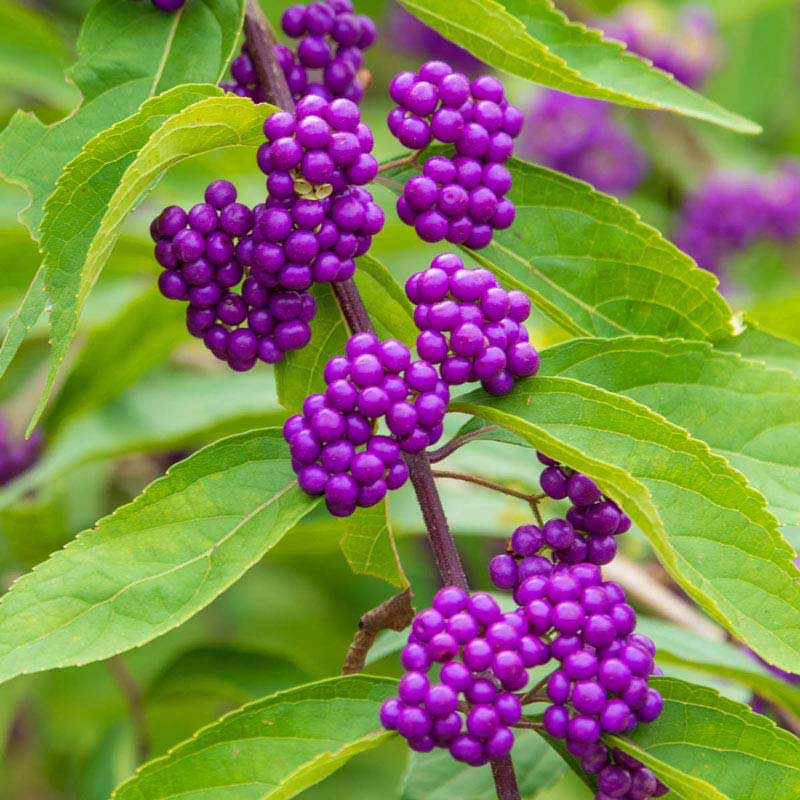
point(761, 345)
point(535, 41)
point(437, 776)
point(111, 175)
point(703, 390)
point(117, 354)
point(704, 745)
point(710, 530)
point(719, 659)
point(157, 561)
point(202, 683)
point(273, 748)
point(165, 411)
point(23, 319)
point(128, 53)
point(592, 266)
point(368, 545)
point(300, 373)
point(32, 57)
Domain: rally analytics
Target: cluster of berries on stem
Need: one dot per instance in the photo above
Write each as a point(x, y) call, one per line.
point(462, 198)
point(329, 57)
point(470, 326)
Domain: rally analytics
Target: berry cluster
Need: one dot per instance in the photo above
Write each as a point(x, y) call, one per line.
point(17, 455)
point(484, 655)
point(580, 137)
point(317, 217)
point(322, 143)
point(460, 199)
point(204, 253)
point(731, 211)
point(374, 380)
point(691, 50)
point(470, 326)
point(329, 56)
point(592, 521)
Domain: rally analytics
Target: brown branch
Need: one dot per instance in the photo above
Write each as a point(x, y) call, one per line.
point(486, 483)
point(261, 42)
point(133, 696)
point(459, 441)
point(411, 158)
point(393, 614)
point(259, 34)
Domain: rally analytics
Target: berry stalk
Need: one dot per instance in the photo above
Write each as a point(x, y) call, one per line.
point(358, 320)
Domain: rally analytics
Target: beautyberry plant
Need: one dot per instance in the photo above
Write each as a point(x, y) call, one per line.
point(615, 620)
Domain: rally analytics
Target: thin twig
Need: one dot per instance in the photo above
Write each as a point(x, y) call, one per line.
point(393, 614)
point(133, 695)
point(485, 482)
point(455, 443)
point(528, 724)
point(532, 694)
point(396, 185)
point(411, 158)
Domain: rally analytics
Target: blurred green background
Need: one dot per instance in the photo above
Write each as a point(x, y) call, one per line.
point(67, 735)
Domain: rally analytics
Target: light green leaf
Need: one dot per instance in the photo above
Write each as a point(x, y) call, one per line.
point(592, 266)
point(437, 776)
point(300, 373)
point(23, 319)
point(111, 175)
point(128, 53)
point(115, 355)
point(683, 648)
point(761, 345)
point(368, 545)
point(32, 57)
point(703, 390)
point(710, 530)
point(271, 749)
point(535, 41)
point(706, 746)
point(165, 411)
point(156, 562)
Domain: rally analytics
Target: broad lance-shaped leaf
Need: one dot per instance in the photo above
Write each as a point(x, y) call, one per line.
point(535, 41)
point(438, 776)
point(707, 747)
point(762, 345)
point(592, 266)
point(111, 176)
point(707, 526)
point(300, 373)
point(115, 355)
point(127, 53)
point(369, 547)
point(167, 410)
point(680, 647)
point(701, 736)
point(157, 561)
point(705, 391)
point(271, 749)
